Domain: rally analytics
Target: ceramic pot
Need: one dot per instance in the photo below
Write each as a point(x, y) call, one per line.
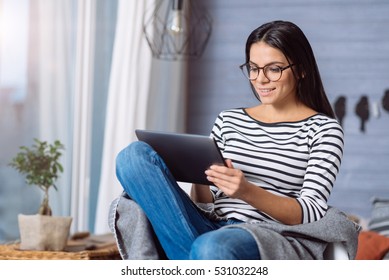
point(43, 233)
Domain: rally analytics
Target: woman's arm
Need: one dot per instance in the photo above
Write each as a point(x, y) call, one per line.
point(233, 183)
point(201, 193)
point(284, 209)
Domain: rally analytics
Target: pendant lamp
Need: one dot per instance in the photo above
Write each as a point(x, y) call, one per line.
point(177, 29)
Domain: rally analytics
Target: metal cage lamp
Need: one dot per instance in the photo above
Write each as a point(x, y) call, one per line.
point(177, 29)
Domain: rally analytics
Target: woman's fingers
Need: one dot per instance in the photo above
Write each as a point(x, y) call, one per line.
point(220, 172)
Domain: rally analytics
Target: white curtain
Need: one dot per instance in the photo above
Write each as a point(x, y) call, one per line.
point(82, 113)
point(51, 80)
point(127, 99)
point(62, 66)
point(144, 93)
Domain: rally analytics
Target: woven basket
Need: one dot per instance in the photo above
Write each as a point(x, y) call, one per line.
point(12, 252)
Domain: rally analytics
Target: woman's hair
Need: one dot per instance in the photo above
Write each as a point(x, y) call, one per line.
point(291, 41)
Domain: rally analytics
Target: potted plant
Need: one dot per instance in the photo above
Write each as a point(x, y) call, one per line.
point(41, 166)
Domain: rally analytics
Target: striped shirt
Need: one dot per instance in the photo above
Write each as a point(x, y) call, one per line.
point(291, 159)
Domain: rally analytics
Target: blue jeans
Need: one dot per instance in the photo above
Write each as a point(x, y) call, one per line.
point(180, 226)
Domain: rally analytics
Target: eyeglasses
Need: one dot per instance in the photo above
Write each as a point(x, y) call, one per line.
point(272, 72)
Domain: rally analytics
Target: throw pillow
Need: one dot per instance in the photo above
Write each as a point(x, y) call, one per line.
point(380, 216)
point(372, 246)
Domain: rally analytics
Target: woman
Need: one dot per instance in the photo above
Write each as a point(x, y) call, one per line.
point(283, 156)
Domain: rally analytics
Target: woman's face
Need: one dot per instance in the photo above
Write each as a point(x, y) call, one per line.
point(277, 93)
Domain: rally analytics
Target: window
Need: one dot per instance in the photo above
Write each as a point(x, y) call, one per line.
point(38, 93)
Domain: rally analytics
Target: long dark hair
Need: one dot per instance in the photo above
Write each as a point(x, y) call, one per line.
point(291, 41)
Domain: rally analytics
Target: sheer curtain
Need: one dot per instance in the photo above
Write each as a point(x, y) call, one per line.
point(51, 81)
point(61, 77)
point(82, 113)
point(127, 99)
point(144, 93)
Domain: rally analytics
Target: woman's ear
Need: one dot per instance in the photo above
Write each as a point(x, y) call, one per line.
point(299, 72)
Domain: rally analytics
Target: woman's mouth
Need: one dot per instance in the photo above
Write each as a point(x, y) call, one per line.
point(265, 91)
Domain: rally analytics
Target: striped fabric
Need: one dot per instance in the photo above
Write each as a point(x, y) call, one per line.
point(296, 159)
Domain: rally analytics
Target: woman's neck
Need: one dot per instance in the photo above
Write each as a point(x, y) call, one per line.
point(271, 114)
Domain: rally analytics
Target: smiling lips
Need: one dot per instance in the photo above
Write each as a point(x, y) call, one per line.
point(265, 91)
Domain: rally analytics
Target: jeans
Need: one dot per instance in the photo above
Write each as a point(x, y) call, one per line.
point(182, 229)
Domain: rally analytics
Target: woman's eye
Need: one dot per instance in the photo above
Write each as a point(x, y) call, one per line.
point(274, 69)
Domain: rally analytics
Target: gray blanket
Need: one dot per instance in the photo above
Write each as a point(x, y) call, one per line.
point(136, 239)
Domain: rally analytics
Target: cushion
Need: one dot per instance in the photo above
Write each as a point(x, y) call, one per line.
point(372, 246)
point(380, 216)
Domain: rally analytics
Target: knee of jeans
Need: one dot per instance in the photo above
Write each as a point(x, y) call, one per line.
point(128, 159)
point(209, 247)
point(134, 150)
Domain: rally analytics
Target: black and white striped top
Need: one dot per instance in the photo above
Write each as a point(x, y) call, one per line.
point(295, 159)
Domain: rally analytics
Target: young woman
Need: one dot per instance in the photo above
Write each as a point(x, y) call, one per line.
point(283, 156)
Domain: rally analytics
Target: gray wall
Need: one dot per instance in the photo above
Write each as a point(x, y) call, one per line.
point(350, 39)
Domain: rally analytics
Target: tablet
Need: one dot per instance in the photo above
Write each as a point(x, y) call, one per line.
point(186, 155)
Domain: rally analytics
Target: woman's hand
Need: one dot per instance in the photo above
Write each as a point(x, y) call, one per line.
point(229, 180)
point(233, 183)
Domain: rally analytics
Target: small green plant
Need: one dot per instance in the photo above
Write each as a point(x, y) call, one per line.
point(40, 164)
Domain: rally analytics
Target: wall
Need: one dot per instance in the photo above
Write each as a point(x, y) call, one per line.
point(351, 43)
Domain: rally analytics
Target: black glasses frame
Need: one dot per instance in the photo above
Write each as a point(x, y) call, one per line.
point(247, 65)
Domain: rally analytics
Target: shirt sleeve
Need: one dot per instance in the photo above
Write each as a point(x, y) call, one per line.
point(326, 151)
point(216, 134)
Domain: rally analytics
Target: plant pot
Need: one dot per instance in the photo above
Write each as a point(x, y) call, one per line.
point(43, 233)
